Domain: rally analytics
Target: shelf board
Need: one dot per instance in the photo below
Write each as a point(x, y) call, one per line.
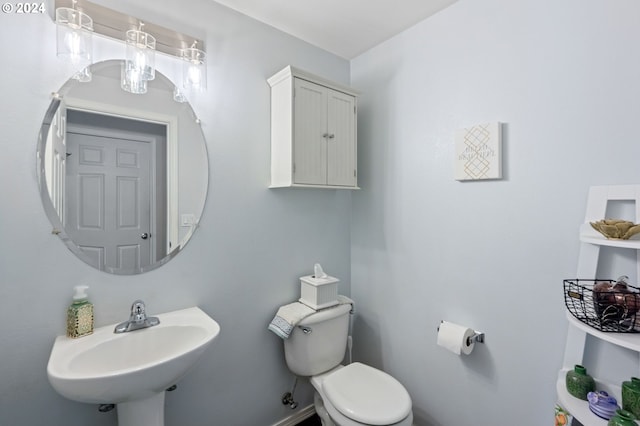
point(625, 340)
point(579, 408)
point(591, 236)
point(299, 185)
point(576, 407)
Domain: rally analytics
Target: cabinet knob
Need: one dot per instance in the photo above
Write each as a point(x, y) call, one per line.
point(331, 136)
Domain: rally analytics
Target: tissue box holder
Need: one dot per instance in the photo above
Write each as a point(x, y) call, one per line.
point(319, 293)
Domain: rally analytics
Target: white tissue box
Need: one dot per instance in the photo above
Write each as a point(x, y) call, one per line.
point(319, 293)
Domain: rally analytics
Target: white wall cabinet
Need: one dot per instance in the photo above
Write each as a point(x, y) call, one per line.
point(313, 132)
point(590, 243)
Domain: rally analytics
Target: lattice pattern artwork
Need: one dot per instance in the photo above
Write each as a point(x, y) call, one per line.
point(478, 152)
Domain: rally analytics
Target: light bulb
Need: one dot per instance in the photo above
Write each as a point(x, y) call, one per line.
point(194, 70)
point(73, 43)
point(140, 60)
point(194, 76)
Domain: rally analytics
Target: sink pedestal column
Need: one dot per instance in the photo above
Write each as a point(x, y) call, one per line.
point(142, 412)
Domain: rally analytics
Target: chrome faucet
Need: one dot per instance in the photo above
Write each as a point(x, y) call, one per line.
point(137, 320)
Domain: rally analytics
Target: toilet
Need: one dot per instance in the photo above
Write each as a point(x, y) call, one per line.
point(346, 395)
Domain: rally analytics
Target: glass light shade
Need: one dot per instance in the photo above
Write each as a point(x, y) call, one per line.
point(140, 53)
point(84, 75)
point(131, 80)
point(178, 95)
point(194, 70)
point(74, 29)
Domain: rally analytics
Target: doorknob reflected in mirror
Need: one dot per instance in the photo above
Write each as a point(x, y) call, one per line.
point(144, 236)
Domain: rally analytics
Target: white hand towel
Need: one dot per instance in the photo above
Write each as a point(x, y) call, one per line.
point(344, 300)
point(287, 317)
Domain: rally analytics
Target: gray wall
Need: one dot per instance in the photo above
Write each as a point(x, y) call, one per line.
point(243, 262)
point(564, 78)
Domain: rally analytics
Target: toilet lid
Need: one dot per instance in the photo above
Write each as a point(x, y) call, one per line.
point(367, 395)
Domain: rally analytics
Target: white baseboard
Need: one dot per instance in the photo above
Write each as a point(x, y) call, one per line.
point(297, 417)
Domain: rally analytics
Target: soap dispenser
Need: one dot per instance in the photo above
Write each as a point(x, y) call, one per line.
point(80, 314)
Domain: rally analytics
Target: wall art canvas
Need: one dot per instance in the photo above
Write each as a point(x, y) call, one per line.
point(478, 152)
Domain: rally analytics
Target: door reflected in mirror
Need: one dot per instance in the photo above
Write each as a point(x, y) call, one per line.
point(123, 177)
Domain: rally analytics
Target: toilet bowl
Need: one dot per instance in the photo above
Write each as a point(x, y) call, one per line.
point(358, 395)
point(351, 395)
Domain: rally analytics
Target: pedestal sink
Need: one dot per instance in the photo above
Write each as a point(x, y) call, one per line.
point(131, 369)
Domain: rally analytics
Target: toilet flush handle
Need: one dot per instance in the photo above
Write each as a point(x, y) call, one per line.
point(305, 329)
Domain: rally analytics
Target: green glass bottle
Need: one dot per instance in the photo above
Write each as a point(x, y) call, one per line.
point(622, 418)
point(579, 383)
point(631, 396)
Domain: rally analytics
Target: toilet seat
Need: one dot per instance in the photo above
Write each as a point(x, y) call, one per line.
point(365, 395)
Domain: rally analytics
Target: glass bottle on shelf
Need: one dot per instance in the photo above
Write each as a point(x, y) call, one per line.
point(631, 396)
point(622, 418)
point(579, 383)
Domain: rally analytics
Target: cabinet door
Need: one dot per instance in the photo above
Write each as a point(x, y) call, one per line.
point(341, 141)
point(309, 133)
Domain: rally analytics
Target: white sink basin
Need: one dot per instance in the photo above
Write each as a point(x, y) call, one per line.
point(109, 368)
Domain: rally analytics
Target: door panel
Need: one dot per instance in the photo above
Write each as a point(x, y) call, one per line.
point(90, 199)
point(104, 168)
point(310, 128)
point(341, 148)
point(127, 203)
point(95, 255)
point(55, 157)
point(128, 257)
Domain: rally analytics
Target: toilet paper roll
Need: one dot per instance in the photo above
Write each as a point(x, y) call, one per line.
point(454, 338)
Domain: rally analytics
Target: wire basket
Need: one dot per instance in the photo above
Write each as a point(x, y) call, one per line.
point(609, 311)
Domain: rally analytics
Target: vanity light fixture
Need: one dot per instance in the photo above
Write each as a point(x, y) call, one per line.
point(194, 73)
point(139, 64)
point(73, 30)
point(141, 46)
point(194, 69)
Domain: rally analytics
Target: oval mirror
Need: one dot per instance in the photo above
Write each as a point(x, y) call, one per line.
point(123, 177)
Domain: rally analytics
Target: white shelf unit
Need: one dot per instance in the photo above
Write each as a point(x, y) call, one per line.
point(590, 243)
point(579, 408)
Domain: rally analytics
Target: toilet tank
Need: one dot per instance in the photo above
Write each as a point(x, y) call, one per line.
point(323, 347)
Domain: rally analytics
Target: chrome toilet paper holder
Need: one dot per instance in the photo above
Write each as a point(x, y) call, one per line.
point(478, 336)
